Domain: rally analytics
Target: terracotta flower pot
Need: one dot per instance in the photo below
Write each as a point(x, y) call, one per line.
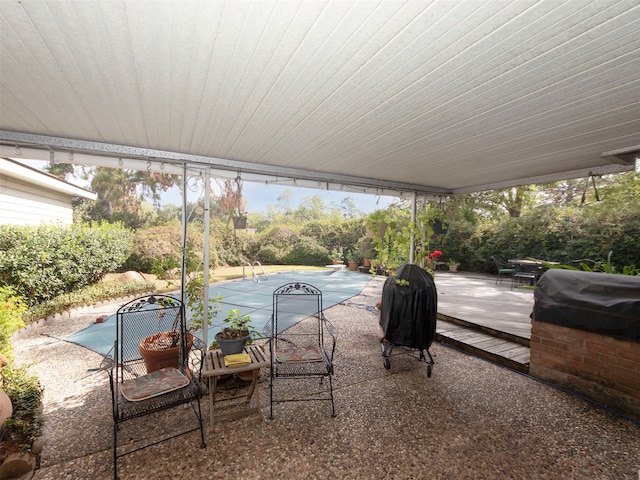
point(161, 350)
point(246, 376)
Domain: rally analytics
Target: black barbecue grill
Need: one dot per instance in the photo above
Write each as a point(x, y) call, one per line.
point(408, 314)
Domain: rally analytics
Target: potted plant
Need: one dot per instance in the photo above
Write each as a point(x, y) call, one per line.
point(378, 267)
point(431, 261)
point(453, 265)
point(367, 250)
point(240, 221)
point(353, 259)
point(162, 349)
point(236, 334)
point(336, 255)
point(376, 224)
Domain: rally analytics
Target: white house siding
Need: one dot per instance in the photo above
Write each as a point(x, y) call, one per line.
point(22, 203)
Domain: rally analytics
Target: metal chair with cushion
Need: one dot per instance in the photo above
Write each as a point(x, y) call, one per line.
point(504, 268)
point(156, 366)
point(302, 344)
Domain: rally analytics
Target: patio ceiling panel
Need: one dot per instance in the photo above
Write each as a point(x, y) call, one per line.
point(441, 96)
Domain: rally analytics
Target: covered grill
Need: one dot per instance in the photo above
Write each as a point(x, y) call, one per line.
point(408, 313)
point(595, 302)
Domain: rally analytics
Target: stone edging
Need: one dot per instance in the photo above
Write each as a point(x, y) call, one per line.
point(66, 314)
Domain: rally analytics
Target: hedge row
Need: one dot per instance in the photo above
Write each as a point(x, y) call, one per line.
point(43, 262)
point(550, 233)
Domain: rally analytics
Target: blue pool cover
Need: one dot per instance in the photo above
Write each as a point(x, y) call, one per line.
point(249, 297)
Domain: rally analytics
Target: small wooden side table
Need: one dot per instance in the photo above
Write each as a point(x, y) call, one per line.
point(214, 368)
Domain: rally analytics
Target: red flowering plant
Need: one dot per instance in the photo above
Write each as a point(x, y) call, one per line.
point(432, 260)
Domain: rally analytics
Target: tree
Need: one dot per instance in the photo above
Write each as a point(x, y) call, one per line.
point(512, 200)
point(122, 192)
point(230, 199)
point(60, 170)
point(117, 191)
point(310, 209)
point(348, 208)
point(564, 192)
point(284, 201)
point(622, 189)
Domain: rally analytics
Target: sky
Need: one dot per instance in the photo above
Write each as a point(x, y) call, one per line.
point(259, 196)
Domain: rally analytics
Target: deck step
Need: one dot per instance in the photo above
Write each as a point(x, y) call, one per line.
point(499, 347)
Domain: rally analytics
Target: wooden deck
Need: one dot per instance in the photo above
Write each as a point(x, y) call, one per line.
point(477, 316)
point(510, 352)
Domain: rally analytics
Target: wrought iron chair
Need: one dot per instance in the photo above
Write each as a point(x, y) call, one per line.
point(302, 343)
point(156, 366)
point(504, 268)
point(527, 274)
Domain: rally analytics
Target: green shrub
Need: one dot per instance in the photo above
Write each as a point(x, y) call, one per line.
point(25, 424)
point(234, 248)
point(11, 309)
point(282, 237)
point(306, 251)
point(456, 244)
point(43, 262)
point(562, 234)
point(156, 249)
point(268, 255)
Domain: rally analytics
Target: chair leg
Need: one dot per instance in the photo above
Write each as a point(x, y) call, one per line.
point(271, 395)
point(333, 407)
point(203, 444)
point(115, 455)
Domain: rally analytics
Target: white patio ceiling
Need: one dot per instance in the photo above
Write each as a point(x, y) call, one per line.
point(428, 96)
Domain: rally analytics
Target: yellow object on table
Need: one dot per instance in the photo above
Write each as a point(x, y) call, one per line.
point(237, 360)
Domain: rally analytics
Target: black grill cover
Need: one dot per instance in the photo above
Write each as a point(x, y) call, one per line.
point(408, 314)
point(602, 303)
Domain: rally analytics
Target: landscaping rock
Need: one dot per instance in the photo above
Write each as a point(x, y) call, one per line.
point(3, 362)
point(17, 464)
point(6, 409)
point(131, 276)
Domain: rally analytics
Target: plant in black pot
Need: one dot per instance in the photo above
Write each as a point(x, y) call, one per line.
point(236, 333)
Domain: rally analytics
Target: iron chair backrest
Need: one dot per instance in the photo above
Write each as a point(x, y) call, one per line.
point(160, 316)
point(293, 303)
point(504, 268)
point(500, 263)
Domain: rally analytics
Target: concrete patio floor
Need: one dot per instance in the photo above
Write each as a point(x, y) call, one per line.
point(471, 419)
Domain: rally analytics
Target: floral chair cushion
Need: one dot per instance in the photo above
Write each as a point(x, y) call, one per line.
point(295, 354)
point(153, 384)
